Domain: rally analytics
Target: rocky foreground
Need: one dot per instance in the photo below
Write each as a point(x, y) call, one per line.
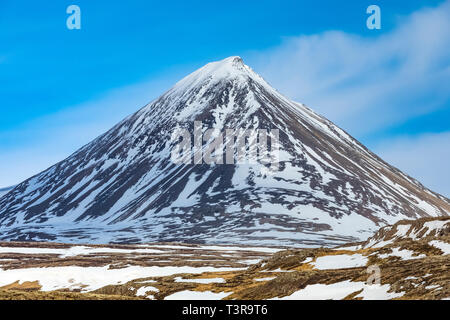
point(409, 260)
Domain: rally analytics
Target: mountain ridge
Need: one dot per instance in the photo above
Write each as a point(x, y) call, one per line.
point(122, 187)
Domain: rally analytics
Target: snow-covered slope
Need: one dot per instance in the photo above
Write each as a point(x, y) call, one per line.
point(123, 186)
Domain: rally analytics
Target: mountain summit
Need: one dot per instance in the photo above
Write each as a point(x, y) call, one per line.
point(124, 186)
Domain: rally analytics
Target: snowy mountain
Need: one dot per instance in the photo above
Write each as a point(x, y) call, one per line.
point(124, 186)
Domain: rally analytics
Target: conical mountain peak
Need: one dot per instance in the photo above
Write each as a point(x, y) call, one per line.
point(233, 61)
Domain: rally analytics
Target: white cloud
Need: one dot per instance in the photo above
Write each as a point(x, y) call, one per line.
point(376, 81)
point(425, 157)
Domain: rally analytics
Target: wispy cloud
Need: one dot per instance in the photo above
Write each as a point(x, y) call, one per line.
point(378, 81)
point(423, 156)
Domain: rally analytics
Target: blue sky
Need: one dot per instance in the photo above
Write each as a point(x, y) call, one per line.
point(61, 88)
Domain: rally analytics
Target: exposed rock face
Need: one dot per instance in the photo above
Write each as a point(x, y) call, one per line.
point(124, 187)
